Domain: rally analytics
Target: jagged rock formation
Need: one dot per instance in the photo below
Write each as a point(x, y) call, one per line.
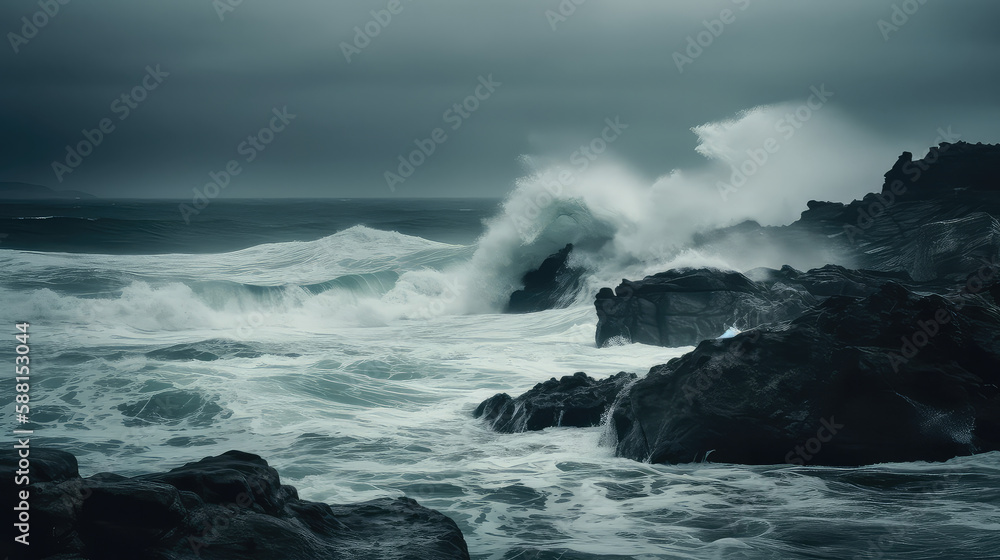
point(232, 506)
point(935, 218)
point(935, 222)
point(576, 400)
point(896, 361)
point(682, 307)
point(894, 376)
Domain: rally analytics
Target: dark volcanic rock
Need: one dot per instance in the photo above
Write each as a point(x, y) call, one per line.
point(948, 168)
point(682, 307)
point(47, 465)
point(128, 515)
point(891, 377)
point(232, 506)
point(831, 280)
point(935, 218)
point(224, 478)
point(575, 400)
point(550, 286)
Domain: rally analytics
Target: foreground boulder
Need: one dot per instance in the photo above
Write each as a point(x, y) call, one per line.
point(232, 506)
point(894, 376)
point(576, 400)
point(550, 286)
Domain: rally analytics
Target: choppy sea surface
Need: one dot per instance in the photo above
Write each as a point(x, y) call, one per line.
point(348, 342)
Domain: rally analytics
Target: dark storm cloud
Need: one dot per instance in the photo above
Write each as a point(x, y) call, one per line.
point(558, 85)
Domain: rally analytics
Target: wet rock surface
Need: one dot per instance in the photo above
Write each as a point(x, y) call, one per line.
point(552, 285)
point(935, 219)
point(576, 400)
point(231, 506)
point(895, 376)
point(682, 307)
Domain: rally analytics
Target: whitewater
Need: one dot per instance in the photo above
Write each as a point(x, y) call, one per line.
point(351, 359)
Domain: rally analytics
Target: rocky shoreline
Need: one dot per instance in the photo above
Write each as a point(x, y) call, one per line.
point(230, 506)
point(890, 355)
point(892, 377)
point(896, 359)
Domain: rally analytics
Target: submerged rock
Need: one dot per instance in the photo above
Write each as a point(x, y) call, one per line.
point(173, 407)
point(576, 400)
point(232, 506)
point(895, 376)
point(550, 286)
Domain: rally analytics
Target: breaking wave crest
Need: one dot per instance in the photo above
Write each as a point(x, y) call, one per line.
point(621, 225)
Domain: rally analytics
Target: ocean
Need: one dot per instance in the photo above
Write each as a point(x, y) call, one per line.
point(348, 342)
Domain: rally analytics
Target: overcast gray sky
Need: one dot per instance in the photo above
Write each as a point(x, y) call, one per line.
point(560, 76)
